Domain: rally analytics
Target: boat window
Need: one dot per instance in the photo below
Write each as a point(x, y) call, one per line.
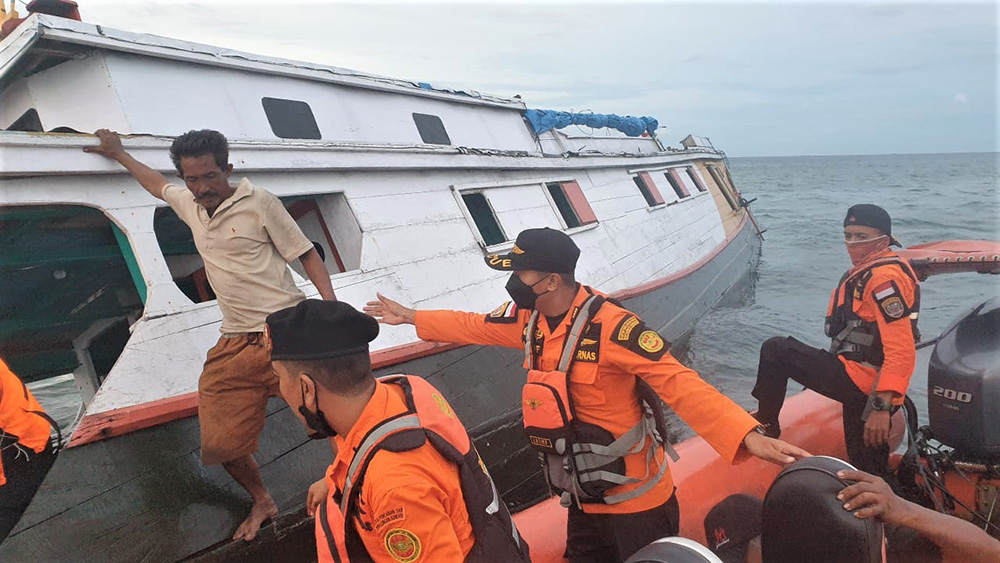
point(485, 219)
point(68, 295)
point(327, 220)
point(648, 189)
point(695, 179)
point(290, 119)
point(571, 203)
point(676, 183)
point(29, 121)
point(723, 187)
point(431, 129)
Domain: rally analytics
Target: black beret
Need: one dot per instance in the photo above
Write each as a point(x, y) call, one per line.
point(870, 215)
point(316, 329)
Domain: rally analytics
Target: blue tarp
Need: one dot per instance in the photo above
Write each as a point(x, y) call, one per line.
point(543, 120)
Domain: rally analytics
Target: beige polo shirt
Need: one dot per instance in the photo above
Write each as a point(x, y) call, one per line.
point(246, 246)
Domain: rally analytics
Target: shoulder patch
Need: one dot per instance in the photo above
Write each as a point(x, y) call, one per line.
point(624, 329)
point(890, 301)
point(402, 544)
point(633, 334)
point(504, 314)
point(650, 341)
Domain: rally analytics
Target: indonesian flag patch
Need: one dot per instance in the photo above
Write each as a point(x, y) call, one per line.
point(890, 302)
point(504, 314)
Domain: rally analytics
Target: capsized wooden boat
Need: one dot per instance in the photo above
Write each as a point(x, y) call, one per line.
point(405, 186)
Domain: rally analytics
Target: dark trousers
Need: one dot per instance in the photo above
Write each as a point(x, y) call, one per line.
point(610, 538)
point(25, 470)
point(782, 359)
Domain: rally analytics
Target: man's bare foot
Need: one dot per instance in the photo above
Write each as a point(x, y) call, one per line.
point(259, 513)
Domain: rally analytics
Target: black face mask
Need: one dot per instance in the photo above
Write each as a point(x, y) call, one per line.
point(316, 421)
point(524, 295)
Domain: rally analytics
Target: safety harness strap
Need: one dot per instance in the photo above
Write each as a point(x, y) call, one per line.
point(363, 451)
point(575, 332)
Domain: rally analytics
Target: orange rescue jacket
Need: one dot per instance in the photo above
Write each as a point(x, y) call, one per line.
point(22, 419)
point(408, 485)
point(616, 349)
point(872, 319)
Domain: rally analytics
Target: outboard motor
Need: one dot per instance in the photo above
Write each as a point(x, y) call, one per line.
point(804, 521)
point(674, 550)
point(963, 383)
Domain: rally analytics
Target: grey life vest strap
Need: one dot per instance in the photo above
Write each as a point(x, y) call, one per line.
point(851, 336)
point(588, 457)
point(361, 454)
point(529, 339)
point(574, 334)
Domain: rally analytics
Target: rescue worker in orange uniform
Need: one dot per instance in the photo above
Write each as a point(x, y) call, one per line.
point(872, 321)
point(591, 404)
point(407, 484)
point(26, 448)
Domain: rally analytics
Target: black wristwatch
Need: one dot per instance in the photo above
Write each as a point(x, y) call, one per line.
point(879, 404)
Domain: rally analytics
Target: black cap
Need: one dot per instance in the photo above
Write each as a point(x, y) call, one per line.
point(870, 215)
point(316, 329)
point(731, 524)
point(543, 250)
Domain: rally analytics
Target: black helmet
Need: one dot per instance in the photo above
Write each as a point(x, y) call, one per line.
point(804, 521)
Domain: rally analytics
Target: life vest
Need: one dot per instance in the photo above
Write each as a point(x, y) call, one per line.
point(23, 422)
point(427, 419)
point(582, 461)
point(851, 336)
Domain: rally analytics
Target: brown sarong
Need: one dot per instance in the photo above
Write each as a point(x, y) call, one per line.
point(232, 397)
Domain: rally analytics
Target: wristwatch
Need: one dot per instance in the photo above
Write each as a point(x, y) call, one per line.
point(879, 404)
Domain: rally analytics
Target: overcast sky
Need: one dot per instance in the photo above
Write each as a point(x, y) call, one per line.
point(758, 79)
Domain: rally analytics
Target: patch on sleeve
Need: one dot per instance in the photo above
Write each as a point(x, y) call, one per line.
point(589, 348)
point(650, 341)
point(633, 334)
point(397, 514)
point(890, 301)
point(504, 314)
point(624, 329)
point(402, 544)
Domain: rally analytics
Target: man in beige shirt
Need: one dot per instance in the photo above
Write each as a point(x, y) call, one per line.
point(246, 239)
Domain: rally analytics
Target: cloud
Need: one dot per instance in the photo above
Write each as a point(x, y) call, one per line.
point(961, 99)
point(758, 78)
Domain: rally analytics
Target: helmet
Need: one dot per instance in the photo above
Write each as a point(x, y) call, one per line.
point(804, 521)
point(674, 550)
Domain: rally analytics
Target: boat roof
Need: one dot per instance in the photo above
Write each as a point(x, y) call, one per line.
point(43, 41)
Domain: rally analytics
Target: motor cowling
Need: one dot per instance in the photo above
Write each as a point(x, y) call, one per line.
point(963, 383)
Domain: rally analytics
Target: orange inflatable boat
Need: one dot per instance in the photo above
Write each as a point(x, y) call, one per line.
point(808, 420)
point(952, 256)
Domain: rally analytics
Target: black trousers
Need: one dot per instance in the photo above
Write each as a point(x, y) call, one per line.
point(611, 538)
point(782, 359)
point(25, 470)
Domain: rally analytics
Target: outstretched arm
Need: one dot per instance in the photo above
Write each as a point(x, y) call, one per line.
point(871, 497)
point(111, 147)
point(502, 327)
